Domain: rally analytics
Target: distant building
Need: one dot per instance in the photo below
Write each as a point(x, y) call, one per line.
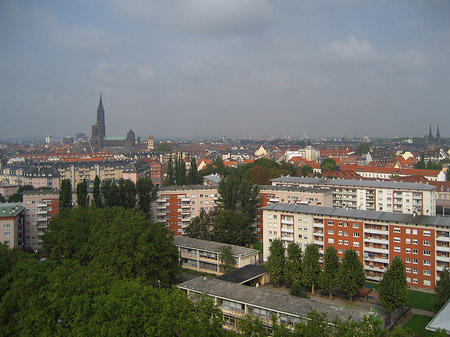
point(7, 190)
point(204, 256)
point(98, 136)
point(40, 207)
point(11, 224)
point(67, 140)
point(150, 144)
point(48, 139)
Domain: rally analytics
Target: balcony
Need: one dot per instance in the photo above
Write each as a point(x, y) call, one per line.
point(373, 278)
point(185, 199)
point(376, 240)
point(186, 206)
point(318, 242)
point(287, 238)
point(443, 258)
point(41, 205)
point(274, 200)
point(318, 225)
point(186, 219)
point(376, 250)
point(161, 213)
point(320, 233)
point(443, 238)
point(287, 221)
point(442, 248)
point(160, 200)
point(377, 259)
point(376, 231)
point(373, 268)
point(161, 206)
point(287, 230)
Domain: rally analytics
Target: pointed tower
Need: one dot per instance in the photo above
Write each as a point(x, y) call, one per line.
point(438, 136)
point(98, 129)
point(430, 136)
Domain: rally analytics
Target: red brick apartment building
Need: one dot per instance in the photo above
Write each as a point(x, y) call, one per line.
point(421, 241)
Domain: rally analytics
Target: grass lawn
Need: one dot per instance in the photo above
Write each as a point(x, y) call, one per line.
point(374, 285)
point(417, 323)
point(420, 300)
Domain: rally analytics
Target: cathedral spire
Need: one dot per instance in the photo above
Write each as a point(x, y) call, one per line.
point(438, 136)
point(100, 112)
point(430, 136)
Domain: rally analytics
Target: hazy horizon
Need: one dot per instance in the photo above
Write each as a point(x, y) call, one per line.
point(241, 68)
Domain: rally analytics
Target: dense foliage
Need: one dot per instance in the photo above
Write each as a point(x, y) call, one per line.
point(393, 286)
point(276, 261)
point(442, 290)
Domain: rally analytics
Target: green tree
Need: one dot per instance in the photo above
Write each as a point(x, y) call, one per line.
point(127, 193)
point(163, 147)
point(98, 202)
point(147, 194)
point(2, 198)
point(170, 180)
point(442, 290)
point(110, 193)
point(65, 195)
point(180, 170)
point(306, 170)
point(82, 194)
point(328, 165)
point(18, 196)
point(226, 258)
point(393, 287)
point(311, 267)
point(362, 148)
point(276, 261)
point(293, 265)
point(233, 227)
point(421, 163)
point(351, 273)
point(201, 227)
point(328, 277)
point(193, 177)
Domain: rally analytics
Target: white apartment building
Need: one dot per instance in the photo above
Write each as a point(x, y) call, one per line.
point(11, 224)
point(386, 196)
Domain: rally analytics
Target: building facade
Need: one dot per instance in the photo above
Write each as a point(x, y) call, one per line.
point(386, 196)
point(40, 207)
point(421, 241)
point(204, 256)
point(11, 224)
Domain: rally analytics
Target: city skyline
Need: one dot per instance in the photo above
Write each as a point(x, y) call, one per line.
point(183, 69)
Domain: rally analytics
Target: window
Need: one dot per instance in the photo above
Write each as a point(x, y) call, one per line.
point(7, 234)
point(356, 225)
point(356, 235)
point(345, 224)
point(415, 251)
point(427, 262)
point(415, 261)
point(7, 226)
point(340, 233)
point(397, 249)
point(414, 231)
point(340, 242)
point(305, 228)
point(299, 236)
point(408, 269)
point(408, 230)
point(331, 232)
point(427, 252)
point(408, 240)
point(397, 230)
point(330, 223)
point(426, 242)
point(426, 233)
point(408, 260)
point(340, 250)
point(345, 233)
point(415, 242)
point(346, 242)
point(426, 282)
point(396, 239)
point(340, 224)
point(427, 272)
point(355, 244)
point(415, 281)
point(274, 216)
point(415, 270)
point(408, 250)
point(331, 241)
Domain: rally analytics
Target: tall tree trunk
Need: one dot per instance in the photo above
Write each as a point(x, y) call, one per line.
point(312, 289)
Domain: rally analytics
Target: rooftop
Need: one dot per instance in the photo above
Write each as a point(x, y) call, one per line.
point(362, 214)
point(268, 299)
point(212, 246)
point(244, 274)
point(357, 183)
point(10, 209)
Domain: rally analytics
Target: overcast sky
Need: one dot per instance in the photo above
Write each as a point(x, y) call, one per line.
point(185, 68)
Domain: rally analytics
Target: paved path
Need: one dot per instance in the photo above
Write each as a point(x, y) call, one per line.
point(422, 312)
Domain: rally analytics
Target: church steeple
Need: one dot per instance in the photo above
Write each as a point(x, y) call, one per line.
point(100, 112)
point(430, 136)
point(438, 136)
